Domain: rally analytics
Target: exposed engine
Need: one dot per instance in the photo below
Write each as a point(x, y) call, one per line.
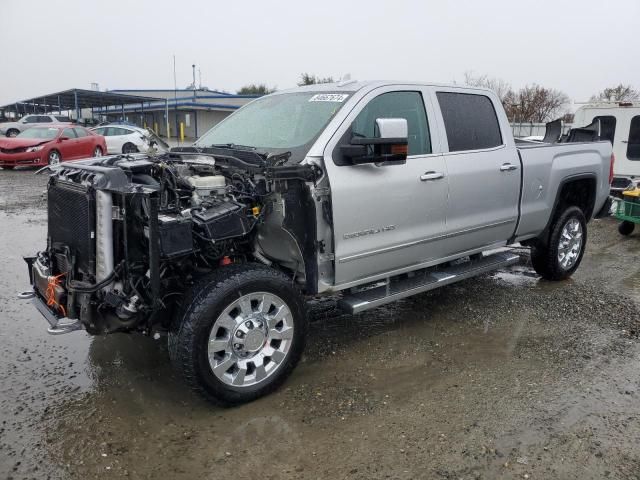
point(126, 234)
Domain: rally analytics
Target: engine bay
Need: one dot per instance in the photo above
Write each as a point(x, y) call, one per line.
point(128, 233)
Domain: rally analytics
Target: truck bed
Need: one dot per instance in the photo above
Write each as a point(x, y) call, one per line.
point(546, 166)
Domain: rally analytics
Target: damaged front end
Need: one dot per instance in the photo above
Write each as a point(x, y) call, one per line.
point(127, 235)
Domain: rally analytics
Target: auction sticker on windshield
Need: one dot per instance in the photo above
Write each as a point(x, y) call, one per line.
point(329, 97)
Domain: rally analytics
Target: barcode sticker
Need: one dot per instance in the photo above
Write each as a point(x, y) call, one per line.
point(329, 97)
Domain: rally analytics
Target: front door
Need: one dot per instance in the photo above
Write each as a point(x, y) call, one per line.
point(484, 172)
point(70, 149)
point(387, 217)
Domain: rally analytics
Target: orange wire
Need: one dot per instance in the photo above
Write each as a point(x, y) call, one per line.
point(52, 283)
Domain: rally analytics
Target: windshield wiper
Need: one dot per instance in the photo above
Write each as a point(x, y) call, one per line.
point(232, 146)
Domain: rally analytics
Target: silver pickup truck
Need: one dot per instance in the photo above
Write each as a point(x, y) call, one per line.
point(375, 190)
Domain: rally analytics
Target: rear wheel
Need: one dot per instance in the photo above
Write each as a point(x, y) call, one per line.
point(54, 157)
point(129, 148)
point(561, 256)
point(12, 132)
point(626, 228)
point(240, 334)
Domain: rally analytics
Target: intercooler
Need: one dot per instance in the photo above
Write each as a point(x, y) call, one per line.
point(71, 217)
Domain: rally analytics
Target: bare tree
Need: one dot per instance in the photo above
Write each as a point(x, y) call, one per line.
point(255, 89)
point(620, 93)
point(534, 103)
point(501, 87)
point(310, 79)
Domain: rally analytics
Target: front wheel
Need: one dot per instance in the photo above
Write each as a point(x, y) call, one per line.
point(561, 256)
point(54, 158)
point(239, 334)
point(12, 132)
point(97, 152)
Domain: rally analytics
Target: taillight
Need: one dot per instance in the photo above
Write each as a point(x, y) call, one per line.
point(613, 160)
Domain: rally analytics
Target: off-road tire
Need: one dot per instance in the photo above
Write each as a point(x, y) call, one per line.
point(194, 319)
point(544, 257)
point(626, 228)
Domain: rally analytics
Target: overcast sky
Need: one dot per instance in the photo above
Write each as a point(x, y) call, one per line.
point(578, 46)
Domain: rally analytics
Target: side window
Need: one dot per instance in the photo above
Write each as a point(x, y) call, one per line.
point(110, 132)
point(69, 133)
point(62, 119)
point(607, 127)
point(633, 146)
point(30, 119)
point(44, 119)
point(470, 121)
point(99, 131)
point(408, 105)
point(80, 132)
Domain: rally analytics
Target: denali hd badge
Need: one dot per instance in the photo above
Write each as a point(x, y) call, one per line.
point(369, 231)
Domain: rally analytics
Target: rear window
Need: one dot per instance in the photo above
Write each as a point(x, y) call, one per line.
point(633, 145)
point(470, 121)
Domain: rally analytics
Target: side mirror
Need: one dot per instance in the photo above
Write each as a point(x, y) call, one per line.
point(390, 147)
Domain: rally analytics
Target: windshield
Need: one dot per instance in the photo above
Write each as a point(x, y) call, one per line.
point(43, 133)
point(277, 123)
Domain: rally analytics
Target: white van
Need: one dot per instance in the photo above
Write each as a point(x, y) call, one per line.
point(620, 124)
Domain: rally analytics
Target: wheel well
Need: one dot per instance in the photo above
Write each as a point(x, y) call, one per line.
point(580, 193)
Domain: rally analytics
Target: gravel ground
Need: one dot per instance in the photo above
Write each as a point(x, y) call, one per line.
point(502, 376)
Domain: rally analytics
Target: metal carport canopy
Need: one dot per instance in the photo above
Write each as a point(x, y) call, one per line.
point(74, 99)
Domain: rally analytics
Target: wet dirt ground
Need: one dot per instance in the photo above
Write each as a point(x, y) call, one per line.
point(502, 376)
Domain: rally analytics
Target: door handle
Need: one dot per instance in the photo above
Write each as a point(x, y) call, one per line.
point(508, 167)
point(431, 176)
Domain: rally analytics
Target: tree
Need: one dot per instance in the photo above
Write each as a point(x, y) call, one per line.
point(621, 93)
point(310, 79)
point(256, 89)
point(534, 103)
point(501, 87)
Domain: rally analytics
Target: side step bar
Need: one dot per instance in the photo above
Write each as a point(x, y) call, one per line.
point(422, 281)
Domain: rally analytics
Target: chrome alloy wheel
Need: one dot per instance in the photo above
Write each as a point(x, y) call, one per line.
point(54, 158)
point(570, 244)
point(250, 339)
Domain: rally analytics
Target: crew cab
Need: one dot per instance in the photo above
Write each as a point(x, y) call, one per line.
point(374, 191)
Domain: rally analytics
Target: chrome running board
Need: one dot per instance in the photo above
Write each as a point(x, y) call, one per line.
point(406, 285)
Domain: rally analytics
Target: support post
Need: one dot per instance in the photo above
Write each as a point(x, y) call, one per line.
point(166, 115)
point(75, 101)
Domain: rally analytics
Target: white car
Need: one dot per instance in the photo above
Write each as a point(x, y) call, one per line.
point(126, 139)
point(12, 129)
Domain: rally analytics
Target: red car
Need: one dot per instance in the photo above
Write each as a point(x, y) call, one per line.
point(50, 145)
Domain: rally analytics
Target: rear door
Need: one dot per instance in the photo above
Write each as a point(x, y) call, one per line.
point(483, 168)
point(387, 217)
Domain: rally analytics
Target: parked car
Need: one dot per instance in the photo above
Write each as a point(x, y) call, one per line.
point(127, 139)
point(50, 146)
point(11, 129)
point(619, 123)
point(376, 190)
